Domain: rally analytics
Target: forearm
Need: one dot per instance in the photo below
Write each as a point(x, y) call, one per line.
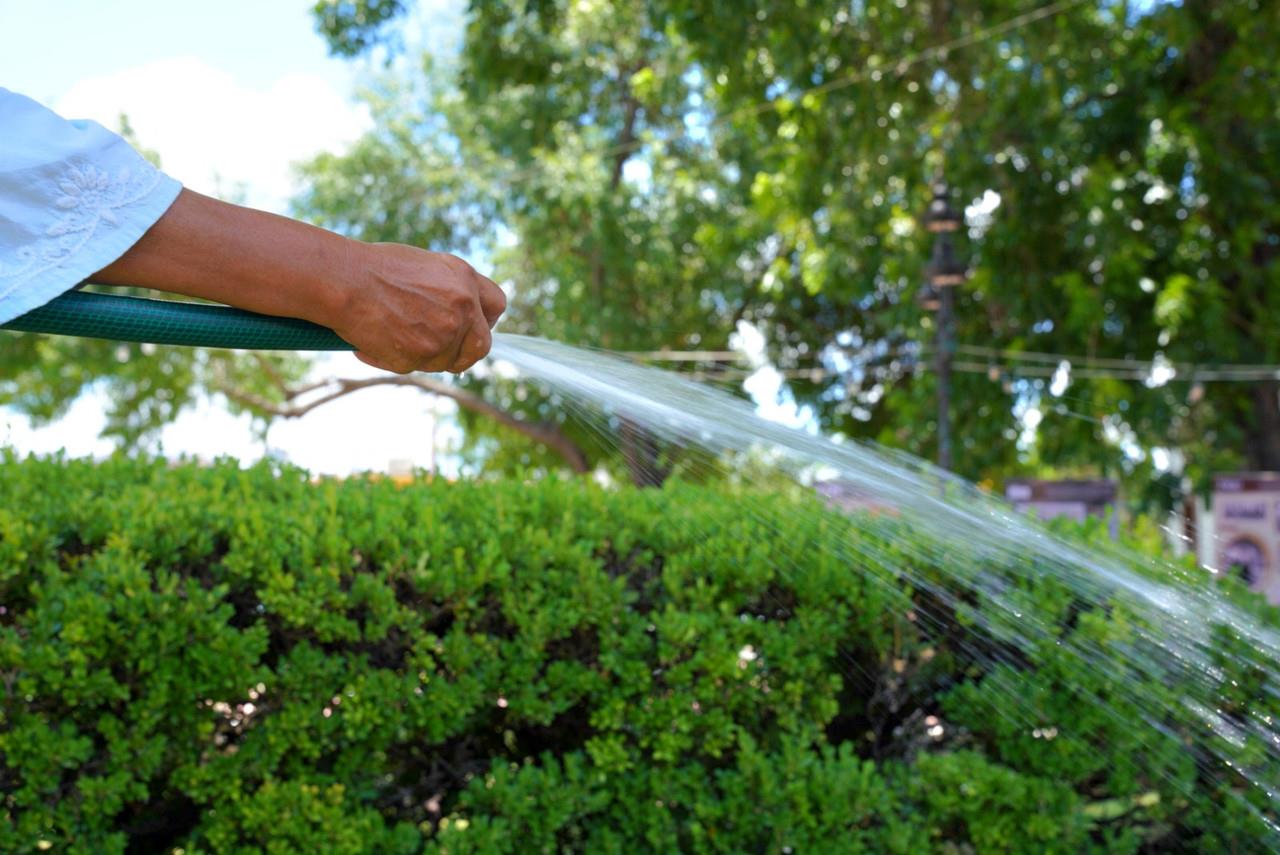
point(402, 308)
point(217, 251)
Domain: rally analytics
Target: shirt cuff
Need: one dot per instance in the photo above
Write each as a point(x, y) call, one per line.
point(108, 234)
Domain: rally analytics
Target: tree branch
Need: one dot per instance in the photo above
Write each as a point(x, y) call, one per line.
point(546, 434)
point(289, 392)
point(626, 139)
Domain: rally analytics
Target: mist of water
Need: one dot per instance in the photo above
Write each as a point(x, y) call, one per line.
point(1185, 633)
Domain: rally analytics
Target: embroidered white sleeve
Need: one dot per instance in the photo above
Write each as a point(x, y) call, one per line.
point(73, 198)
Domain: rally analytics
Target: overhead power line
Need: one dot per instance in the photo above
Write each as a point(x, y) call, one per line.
point(1025, 363)
point(709, 369)
point(1268, 370)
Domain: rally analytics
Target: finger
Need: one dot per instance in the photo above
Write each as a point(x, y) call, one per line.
point(474, 349)
point(476, 344)
point(446, 357)
point(492, 301)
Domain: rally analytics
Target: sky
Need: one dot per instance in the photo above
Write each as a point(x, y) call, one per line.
point(230, 94)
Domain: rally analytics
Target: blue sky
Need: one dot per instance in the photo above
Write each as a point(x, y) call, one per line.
point(230, 93)
point(47, 47)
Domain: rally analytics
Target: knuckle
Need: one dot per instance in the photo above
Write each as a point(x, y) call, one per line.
point(425, 354)
point(451, 324)
point(456, 264)
point(484, 339)
point(475, 349)
point(461, 301)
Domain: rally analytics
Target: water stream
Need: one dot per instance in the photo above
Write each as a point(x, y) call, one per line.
point(1172, 673)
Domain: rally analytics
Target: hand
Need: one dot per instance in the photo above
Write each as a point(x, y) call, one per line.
point(413, 310)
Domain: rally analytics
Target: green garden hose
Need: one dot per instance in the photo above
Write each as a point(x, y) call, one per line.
point(120, 318)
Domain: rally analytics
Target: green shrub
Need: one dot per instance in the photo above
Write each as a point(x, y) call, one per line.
point(216, 660)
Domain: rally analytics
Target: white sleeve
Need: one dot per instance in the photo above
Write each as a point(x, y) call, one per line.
point(73, 198)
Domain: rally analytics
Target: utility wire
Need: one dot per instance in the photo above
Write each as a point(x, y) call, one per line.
point(1000, 372)
point(1041, 364)
point(1104, 362)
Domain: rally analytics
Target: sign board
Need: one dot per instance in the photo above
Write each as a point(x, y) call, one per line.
point(1246, 516)
point(848, 497)
point(1075, 500)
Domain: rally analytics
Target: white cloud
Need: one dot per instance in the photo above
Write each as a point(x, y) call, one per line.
point(1061, 379)
point(77, 432)
point(214, 133)
point(363, 432)
point(980, 213)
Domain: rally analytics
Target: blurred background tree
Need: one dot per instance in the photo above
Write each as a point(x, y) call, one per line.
point(648, 175)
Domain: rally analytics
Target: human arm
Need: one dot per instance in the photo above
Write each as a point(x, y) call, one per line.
point(404, 309)
point(78, 203)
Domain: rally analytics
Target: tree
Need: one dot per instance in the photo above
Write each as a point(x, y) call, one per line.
point(787, 151)
point(536, 145)
point(1137, 206)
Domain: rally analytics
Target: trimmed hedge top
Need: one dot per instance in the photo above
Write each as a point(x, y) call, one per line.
point(216, 660)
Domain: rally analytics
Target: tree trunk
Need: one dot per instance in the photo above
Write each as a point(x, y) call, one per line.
point(1264, 434)
point(625, 146)
point(643, 455)
point(546, 433)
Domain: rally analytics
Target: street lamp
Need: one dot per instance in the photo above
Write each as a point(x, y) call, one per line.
point(944, 272)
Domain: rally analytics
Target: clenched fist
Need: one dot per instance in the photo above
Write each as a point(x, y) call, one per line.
point(413, 310)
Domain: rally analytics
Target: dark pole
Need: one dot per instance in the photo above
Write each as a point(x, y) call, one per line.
point(944, 273)
point(945, 308)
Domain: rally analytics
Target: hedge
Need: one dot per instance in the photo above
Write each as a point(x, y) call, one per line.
point(208, 659)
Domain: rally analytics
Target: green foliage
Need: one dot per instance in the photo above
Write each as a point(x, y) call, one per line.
point(788, 148)
point(226, 660)
point(646, 175)
point(1094, 126)
point(354, 26)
